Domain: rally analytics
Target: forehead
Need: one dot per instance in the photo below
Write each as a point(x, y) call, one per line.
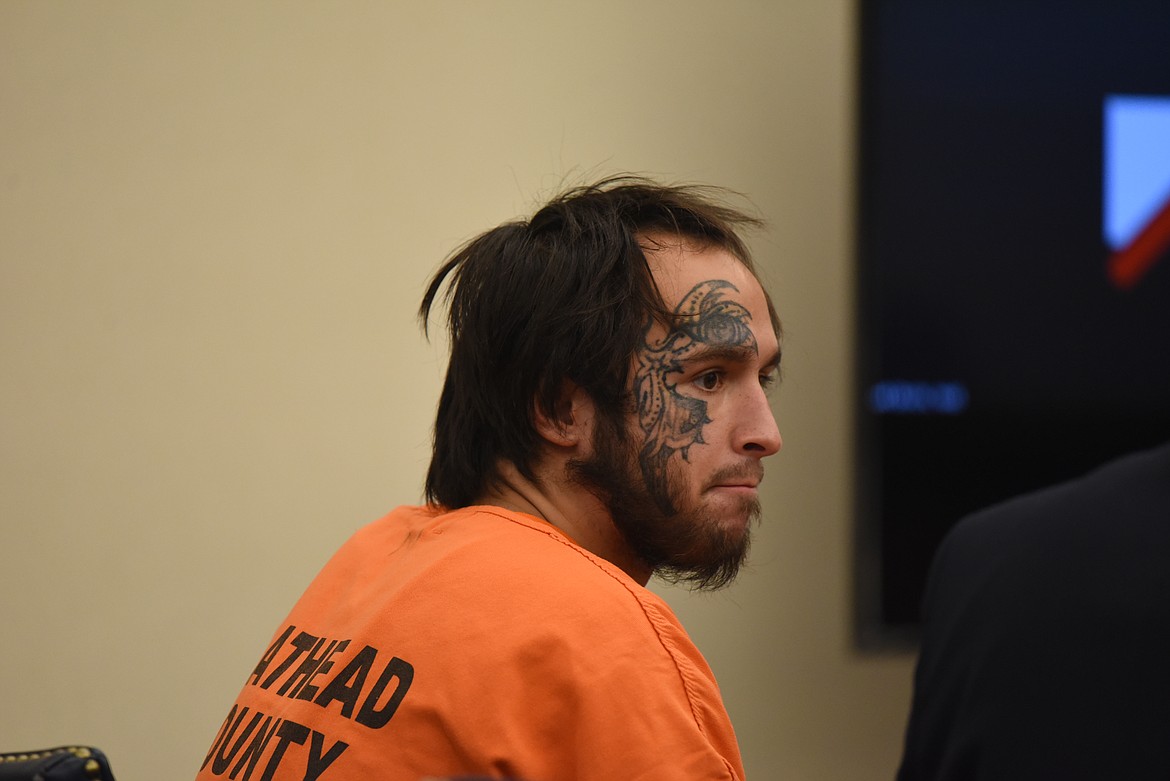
point(678, 265)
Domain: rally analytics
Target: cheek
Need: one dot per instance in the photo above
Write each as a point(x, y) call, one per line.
point(720, 412)
point(686, 475)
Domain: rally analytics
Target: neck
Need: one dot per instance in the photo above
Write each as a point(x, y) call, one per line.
point(572, 509)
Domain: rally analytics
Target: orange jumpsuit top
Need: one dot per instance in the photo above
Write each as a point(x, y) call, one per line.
point(476, 642)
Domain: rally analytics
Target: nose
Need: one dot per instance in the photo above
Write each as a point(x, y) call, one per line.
point(756, 434)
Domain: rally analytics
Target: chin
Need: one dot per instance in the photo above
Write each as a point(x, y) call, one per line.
point(732, 509)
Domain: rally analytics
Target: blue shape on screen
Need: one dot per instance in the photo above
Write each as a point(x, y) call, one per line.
point(1137, 164)
point(900, 397)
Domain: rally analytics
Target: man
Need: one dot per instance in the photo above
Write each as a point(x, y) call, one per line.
point(603, 419)
point(1047, 636)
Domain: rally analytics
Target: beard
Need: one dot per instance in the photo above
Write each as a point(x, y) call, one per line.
point(683, 541)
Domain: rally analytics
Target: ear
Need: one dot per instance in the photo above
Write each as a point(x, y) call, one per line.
point(572, 423)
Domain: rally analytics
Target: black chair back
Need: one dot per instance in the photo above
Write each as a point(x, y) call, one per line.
point(65, 763)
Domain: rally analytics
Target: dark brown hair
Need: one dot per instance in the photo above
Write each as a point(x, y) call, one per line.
point(564, 295)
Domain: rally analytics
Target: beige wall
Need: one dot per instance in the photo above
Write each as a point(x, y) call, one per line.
point(215, 224)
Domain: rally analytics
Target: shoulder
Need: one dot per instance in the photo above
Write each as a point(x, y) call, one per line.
point(507, 563)
point(1024, 597)
point(576, 638)
point(533, 567)
point(561, 633)
point(502, 632)
point(1074, 535)
point(1133, 486)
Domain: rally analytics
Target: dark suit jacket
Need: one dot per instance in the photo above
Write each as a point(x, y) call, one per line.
point(1046, 647)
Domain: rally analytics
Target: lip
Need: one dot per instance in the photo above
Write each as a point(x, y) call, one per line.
point(742, 479)
point(737, 488)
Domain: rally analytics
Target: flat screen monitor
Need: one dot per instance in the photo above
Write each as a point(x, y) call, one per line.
point(1013, 265)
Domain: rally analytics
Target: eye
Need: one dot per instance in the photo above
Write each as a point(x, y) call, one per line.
point(769, 380)
point(709, 381)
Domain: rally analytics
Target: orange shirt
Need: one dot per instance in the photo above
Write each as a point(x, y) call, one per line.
point(476, 642)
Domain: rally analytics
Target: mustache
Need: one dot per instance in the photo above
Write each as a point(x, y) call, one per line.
point(744, 472)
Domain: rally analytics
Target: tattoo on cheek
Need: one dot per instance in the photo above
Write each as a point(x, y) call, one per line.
point(671, 422)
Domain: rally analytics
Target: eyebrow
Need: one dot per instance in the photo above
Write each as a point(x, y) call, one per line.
point(731, 353)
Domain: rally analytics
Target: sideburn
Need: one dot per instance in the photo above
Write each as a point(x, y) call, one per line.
point(679, 547)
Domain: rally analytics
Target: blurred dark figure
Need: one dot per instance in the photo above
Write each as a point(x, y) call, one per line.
point(1046, 649)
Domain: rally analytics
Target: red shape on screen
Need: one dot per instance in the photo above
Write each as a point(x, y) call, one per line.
point(1128, 265)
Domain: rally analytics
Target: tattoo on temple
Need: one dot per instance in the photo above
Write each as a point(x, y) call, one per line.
point(671, 421)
